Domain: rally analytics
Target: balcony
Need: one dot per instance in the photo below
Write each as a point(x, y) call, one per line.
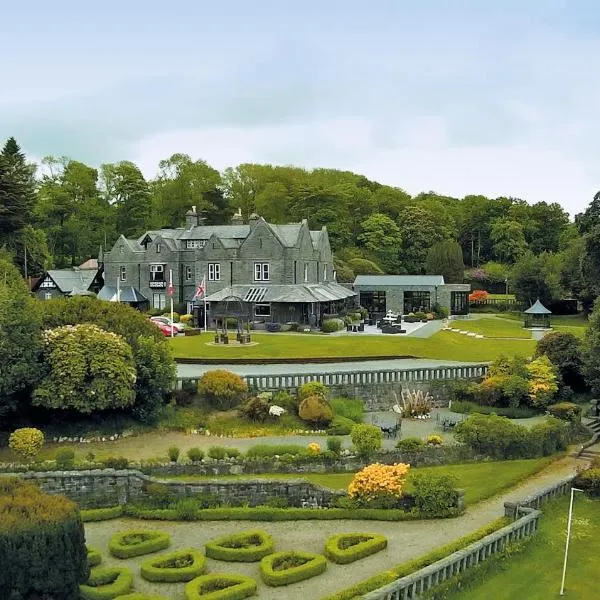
point(158, 284)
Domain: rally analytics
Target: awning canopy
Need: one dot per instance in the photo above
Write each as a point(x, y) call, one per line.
point(127, 293)
point(295, 293)
point(538, 309)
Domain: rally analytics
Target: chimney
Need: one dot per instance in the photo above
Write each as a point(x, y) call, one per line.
point(237, 218)
point(191, 218)
point(253, 220)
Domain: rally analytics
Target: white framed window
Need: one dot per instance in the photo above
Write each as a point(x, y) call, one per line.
point(262, 271)
point(188, 273)
point(48, 296)
point(262, 310)
point(159, 301)
point(324, 272)
point(305, 272)
point(214, 271)
point(157, 272)
point(123, 273)
point(157, 248)
point(190, 244)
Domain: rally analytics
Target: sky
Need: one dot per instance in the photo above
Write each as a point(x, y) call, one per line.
point(500, 98)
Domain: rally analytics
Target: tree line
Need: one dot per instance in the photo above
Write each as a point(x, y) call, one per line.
point(62, 211)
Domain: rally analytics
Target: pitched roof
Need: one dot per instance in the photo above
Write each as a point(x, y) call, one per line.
point(73, 281)
point(91, 263)
point(307, 292)
point(127, 293)
point(538, 309)
point(400, 280)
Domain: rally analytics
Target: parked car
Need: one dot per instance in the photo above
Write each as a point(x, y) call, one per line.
point(166, 329)
point(179, 327)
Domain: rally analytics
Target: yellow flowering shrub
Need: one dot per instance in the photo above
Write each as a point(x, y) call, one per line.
point(434, 440)
point(27, 442)
point(314, 448)
point(542, 382)
point(379, 482)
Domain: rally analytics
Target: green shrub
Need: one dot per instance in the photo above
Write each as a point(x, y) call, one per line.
point(511, 412)
point(232, 452)
point(137, 542)
point(434, 495)
point(345, 548)
point(334, 444)
point(26, 442)
point(173, 453)
point(552, 434)
point(65, 458)
point(277, 502)
point(90, 515)
point(411, 444)
point(139, 596)
point(195, 454)
point(94, 558)
point(221, 452)
point(589, 481)
point(312, 388)
point(31, 523)
point(351, 408)
point(270, 450)
point(283, 568)
point(567, 411)
point(222, 389)
point(255, 409)
point(159, 494)
point(186, 509)
point(245, 546)
point(367, 439)
point(220, 586)
point(106, 583)
point(113, 462)
point(286, 400)
point(332, 325)
point(340, 426)
point(315, 410)
point(182, 565)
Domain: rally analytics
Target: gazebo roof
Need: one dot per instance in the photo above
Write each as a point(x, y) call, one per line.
point(538, 309)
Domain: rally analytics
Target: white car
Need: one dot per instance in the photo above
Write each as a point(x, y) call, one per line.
point(178, 327)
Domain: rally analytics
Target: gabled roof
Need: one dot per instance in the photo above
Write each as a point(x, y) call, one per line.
point(127, 293)
point(400, 280)
point(72, 281)
point(92, 263)
point(538, 309)
point(307, 292)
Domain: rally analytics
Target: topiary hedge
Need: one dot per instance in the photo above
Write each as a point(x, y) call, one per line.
point(139, 596)
point(106, 583)
point(345, 548)
point(31, 522)
point(283, 568)
point(183, 565)
point(220, 586)
point(101, 514)
point(246, 546)
point(137, 542)
point(94, 558)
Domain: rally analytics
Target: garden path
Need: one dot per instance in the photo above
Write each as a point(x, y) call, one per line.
point(407, 540)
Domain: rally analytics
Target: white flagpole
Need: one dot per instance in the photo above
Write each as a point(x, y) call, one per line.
point(204, 296)
point(171, 295)
point(119, 288)
point(564, 573)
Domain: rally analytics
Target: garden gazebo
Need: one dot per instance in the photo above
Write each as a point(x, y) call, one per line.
point(537, 316)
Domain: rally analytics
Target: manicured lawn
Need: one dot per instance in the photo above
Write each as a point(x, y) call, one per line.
point(501, 296)
point(493, 327)
point(479, 480)
point(444, 345)
point(578, 320)
point(535, 574)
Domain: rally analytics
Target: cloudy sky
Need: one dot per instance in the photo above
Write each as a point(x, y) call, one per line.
point(481, 96)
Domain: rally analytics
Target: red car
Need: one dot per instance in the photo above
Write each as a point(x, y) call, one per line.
point(166, 329)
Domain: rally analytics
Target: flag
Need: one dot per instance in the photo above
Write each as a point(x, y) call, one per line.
point(200, 290)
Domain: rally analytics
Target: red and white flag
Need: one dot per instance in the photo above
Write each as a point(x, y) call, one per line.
point(171, 287)
point(200, 290)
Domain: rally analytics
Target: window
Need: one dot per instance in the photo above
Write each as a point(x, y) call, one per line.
point(305, 272)
point(195, 244)
point(214, 271)
point(416, 301)
point(157, 248)
point(261, 271)
point(324, 272)
point(123, 273)
point(159, 301)
point(262, 310)
point(459, 302)
point(188, 273)
point(48, 296)
point(157, 272)
point(374, 302)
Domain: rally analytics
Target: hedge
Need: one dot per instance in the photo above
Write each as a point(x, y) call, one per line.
point(106, 583)
point(246, 546)
point(30, 523)
point(164, 568)
point(399, 571)
point(220, 586)
point(139, 596)
point(101, 514)
point(94, 558)
point(345, 548)
point(137, 542)
point(315, 565)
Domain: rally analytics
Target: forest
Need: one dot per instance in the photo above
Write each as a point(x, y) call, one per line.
point(61, 212)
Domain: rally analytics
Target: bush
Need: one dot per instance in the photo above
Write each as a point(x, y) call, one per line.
point(220, 586)
point(268, 450)
point(139, 596)
point(589, 481)
point(94, 558)
point(106, 583)
point(245, 546)
point(519, 412)
point(65, 458)
point(379, 485)
point(137, 542)
point(315, 410)
point(434, 440)
point(160, 495)
point(26, 442)
point(411, 444)
point(221, 452)
point(567, 411)
point(421, 316)
point(340, 426)
point(173, 453)
point(115, 462)
point(312, 388)
point(345, 548)
point(350, 408)
point(183, 397)
point(42, 543)
point(186, 509)
point(90, 515)
point(286, 400)
point(332, 325)
point(439, 311)
point(195, 454)
point(565, 352)
point(222, 389)
point(552, 436)
point(182, 565)
point(283, 568)
point(367, 439)
point(434, 495)
point(186, 318)
point(255, 409)
point(334, 444)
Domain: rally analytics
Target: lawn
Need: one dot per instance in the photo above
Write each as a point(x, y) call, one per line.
point(479, 480)
point(493, 327)
point(508, 297)
point(578, 320)
point(444, 345)
point(535, 573)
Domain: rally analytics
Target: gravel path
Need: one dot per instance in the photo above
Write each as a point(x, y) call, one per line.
point(406, 540)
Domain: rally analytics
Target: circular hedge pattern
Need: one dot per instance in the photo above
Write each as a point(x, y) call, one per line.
point(345, 548)
point(220, 586)
point(183, 565)
point(138, 542)
point(246, 546)
point(283, 568)
point(106, 583)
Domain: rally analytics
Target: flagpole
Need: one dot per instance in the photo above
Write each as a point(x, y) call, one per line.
point(171, 295)
point(204, 297)
point(119, 288)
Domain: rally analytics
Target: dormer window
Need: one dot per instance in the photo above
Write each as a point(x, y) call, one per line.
point(157, 248)
point(191, 244)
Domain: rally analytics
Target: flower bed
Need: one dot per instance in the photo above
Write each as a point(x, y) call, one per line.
point(106, 583)
point(220, 586)
point(345, 548)
point(183, 565)
point(246, 546)
point(283, 568)
point(128, 544)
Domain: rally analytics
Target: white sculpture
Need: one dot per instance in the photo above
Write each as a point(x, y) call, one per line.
point(276, 411)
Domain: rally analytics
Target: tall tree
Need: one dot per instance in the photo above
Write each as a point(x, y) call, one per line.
point(534, 277)
point(508, 239)
point(381, 238)
point(446, 258)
